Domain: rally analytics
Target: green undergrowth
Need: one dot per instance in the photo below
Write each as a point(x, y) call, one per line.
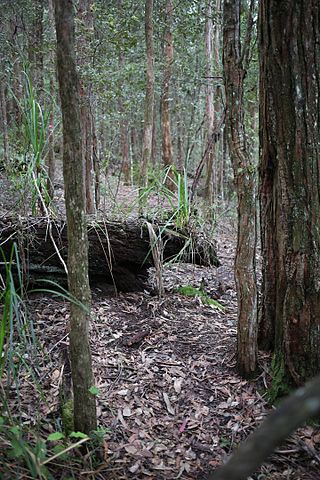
point(29, 446)
point(26, 453)
point(189, 291)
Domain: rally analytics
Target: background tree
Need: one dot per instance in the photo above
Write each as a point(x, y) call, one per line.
point(35, 49)
point(149, 97)
point(209, 104)
point(51, 137)
point(82, 376)
point(167, 154)
point(235, 62)
point(85, 26)
point(289, 187)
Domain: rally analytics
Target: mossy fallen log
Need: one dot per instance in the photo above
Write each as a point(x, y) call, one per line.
point(120, 253)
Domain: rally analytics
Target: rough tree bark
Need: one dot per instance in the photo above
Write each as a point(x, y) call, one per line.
point(149, 97)
point(167, 156)
point(235, 61)
point(290, 186)
point(82, 376)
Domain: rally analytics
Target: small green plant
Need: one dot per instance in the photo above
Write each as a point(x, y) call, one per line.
point(30, 173)
point(190, 291)
point(35, 453)
point(178, 206)
point(225, 442)
point(16, 328)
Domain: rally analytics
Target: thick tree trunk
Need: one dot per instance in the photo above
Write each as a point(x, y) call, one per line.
point(244, 175)
point(82, 377)
point(167, 156)
point(290, 186)
point(149, 97)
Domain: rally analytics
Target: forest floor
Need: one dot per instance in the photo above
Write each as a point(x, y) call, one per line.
point(170, 398)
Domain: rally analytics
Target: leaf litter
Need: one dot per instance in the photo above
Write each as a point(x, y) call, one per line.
point(169, 394)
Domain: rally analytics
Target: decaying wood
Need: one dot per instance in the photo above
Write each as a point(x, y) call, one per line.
point(119, 252)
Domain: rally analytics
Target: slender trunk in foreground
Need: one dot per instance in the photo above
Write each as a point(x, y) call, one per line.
point(82, 377)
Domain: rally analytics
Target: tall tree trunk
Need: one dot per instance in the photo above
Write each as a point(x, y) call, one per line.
point(124, 124)
point(149, 97)
point(87, 119)
point(167, 156)
point(82, 376)
point(4, 121)
point(209, 106)
point(124, 148)
point(51, 155)
point(290, 186)
point(154, 149)
point(35, 50)
point(244, 176)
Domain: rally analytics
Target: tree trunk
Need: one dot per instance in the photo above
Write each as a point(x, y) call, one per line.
point(87, 119)
point(51, 155)
point(124, 124)
point(149, 97)
point(36, 48)
point(167, 156)
point(82, 376)
point(244, 176)
point(4, 122)
point(290, 186)
point(209, 107)
point(154, 149)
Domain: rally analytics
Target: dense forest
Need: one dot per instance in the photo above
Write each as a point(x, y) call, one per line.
point(160, 241)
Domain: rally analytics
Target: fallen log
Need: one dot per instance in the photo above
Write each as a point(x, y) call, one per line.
point(120, 253)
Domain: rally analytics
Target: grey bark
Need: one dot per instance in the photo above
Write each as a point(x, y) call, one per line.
point(82, 376)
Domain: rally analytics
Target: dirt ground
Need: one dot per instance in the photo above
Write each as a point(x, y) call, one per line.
point(169, 394)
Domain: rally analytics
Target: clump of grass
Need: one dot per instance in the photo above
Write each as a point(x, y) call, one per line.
point(190, 291)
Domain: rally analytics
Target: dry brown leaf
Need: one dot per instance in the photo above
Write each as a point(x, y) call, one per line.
point(168, 404)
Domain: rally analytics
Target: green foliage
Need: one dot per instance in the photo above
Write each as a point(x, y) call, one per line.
point(16, 328)
point(33, 452)
point(20, 450)
point(94, 390)
point(190, 291)
point(174, 204)
point(30, 173)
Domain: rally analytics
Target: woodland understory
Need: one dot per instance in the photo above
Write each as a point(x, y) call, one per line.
point(170, 399)
point(159, 239)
